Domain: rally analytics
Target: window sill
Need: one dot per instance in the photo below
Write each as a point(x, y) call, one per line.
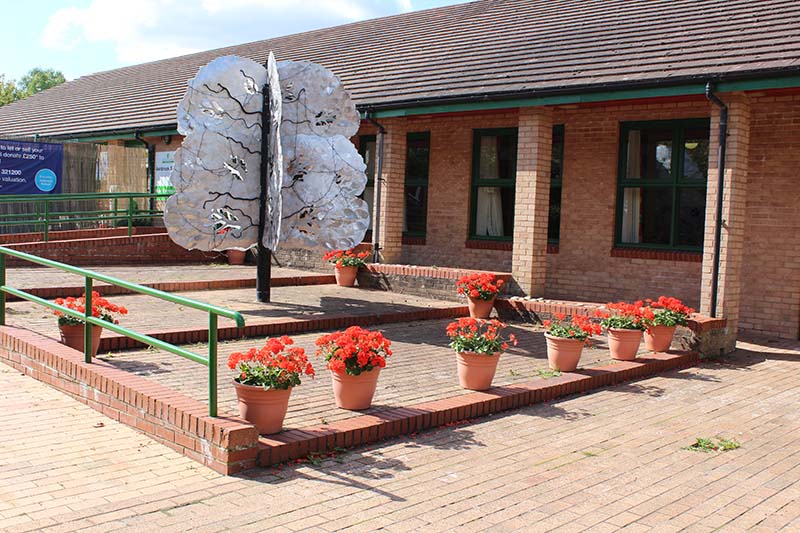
point(663, 255)
point(552, 247)
point(413, 240)
point(478, 244)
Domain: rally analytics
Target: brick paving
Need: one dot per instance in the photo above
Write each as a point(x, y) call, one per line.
point(147, 314)
point(606, 461)
point(423, 368)
point(34, 277)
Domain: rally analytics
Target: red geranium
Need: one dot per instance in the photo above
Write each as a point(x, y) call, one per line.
point(354, 350)
point(628, 316)
point(101, 308)
point(579, 327)
point(277, 365)
point(346, 258)
point(479, 285)
point(478, 336)
point(669, 311)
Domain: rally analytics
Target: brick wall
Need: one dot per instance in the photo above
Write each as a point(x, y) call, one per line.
point(771, 265)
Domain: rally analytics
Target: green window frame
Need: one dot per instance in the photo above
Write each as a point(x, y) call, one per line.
point(417, 170)
point(370, 159)
point(504, 183)
point(677, 191)
point(556, 184)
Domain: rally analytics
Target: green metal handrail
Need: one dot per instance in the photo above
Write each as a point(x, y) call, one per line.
point(44, 215)
point(89, 276)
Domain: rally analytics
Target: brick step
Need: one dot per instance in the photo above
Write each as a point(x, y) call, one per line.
point(286, 326)
point(298, 443)
point(50, 293)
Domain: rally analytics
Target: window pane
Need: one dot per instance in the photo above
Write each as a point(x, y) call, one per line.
point(417, 156)
point(557, 154)
point(498, 157)
point(649, 154)
point(494, 215)
point(695, 152)
point(646, 215)
point(369, 197)
point(554, 220)
point(416, 210)
point(367, 149)
point(691, 216)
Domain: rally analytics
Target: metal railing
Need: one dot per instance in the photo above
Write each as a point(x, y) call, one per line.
point(210, 360)
point(122, 207)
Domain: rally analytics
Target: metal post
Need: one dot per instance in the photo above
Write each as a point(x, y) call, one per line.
point(46, 220)
point(264, 265)
point(212, 364)
point(87, 327)
point(130, 216)
point(2, 293)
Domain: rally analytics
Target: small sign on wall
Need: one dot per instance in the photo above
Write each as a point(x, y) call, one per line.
point(165, 161)
point(30, 167)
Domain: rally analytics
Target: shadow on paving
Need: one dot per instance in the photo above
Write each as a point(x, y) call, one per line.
point(329, 304)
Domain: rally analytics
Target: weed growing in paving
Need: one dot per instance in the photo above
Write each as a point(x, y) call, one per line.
point(548, 373)
point(716, 444)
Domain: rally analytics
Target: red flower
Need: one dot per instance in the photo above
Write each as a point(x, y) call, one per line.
point(354, 350)
point(276, 365)
point(346, 258)
point(101, 308)
point(483, 285)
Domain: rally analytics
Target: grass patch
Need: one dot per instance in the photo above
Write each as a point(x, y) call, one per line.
point(714, 444)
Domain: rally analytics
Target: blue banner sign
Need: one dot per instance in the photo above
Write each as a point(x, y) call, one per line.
point(30, 167)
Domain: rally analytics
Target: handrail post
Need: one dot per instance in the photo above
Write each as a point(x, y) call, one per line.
point(87, 327)
point(130, 216)
point(2, 293)
point(46, 220)
point(116, 213)
point(212, 364)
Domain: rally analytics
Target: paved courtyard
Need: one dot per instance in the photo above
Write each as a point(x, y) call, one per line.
point(613, 459)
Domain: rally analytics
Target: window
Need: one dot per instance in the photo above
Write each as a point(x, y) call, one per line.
point(418, 152)
point(556, 173)
point(367, 149)
point(661, 196)
point(494, 169)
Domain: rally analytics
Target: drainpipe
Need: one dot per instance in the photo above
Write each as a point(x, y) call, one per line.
point(151, 167)
point(723, 138)
point(376, 228)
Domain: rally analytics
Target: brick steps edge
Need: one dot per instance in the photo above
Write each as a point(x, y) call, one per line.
point(225, 444)
point(298, 443)
point(115, 342)
point(181, 286)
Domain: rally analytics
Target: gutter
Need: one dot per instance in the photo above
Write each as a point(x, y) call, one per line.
point(718, 222)
point(376, 228)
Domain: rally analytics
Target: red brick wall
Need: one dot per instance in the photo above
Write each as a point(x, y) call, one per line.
point(771, 264)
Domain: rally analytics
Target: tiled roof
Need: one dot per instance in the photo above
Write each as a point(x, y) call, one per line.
point(489, 47)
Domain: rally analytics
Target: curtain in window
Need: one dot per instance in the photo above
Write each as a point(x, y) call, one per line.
point(489, 219)
point(632, 200)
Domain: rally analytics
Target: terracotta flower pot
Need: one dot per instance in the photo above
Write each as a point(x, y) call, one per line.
point(72, 336)
point(480, 308)
point(476, 371)
point(236, 257)
point(624, 343)
point(563, 354)
point(346, 276)
point(265, 409)
point(659, 338)
point(355, 392)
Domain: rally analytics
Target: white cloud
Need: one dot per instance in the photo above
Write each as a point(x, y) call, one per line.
point(147, 30)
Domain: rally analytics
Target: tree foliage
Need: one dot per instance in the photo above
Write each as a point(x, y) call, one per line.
point(35, 81)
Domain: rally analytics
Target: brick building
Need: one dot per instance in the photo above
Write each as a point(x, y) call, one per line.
point(575, 144)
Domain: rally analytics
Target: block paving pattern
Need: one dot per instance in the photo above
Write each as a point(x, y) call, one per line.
point(607, 461)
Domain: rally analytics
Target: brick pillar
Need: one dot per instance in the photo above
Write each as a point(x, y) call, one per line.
point(392, 190)
point(532, 200)
point(733, 212)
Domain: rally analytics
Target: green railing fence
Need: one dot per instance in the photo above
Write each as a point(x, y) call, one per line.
point(43, 211)
point(210, 360)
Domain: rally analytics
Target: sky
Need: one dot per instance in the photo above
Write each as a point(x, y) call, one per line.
point(80, 37)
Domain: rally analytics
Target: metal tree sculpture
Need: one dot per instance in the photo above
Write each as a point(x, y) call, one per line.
point(306, 194)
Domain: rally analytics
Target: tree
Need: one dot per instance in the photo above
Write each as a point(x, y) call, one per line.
point(8, 91)
point(35, 81)
point(38, 80)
